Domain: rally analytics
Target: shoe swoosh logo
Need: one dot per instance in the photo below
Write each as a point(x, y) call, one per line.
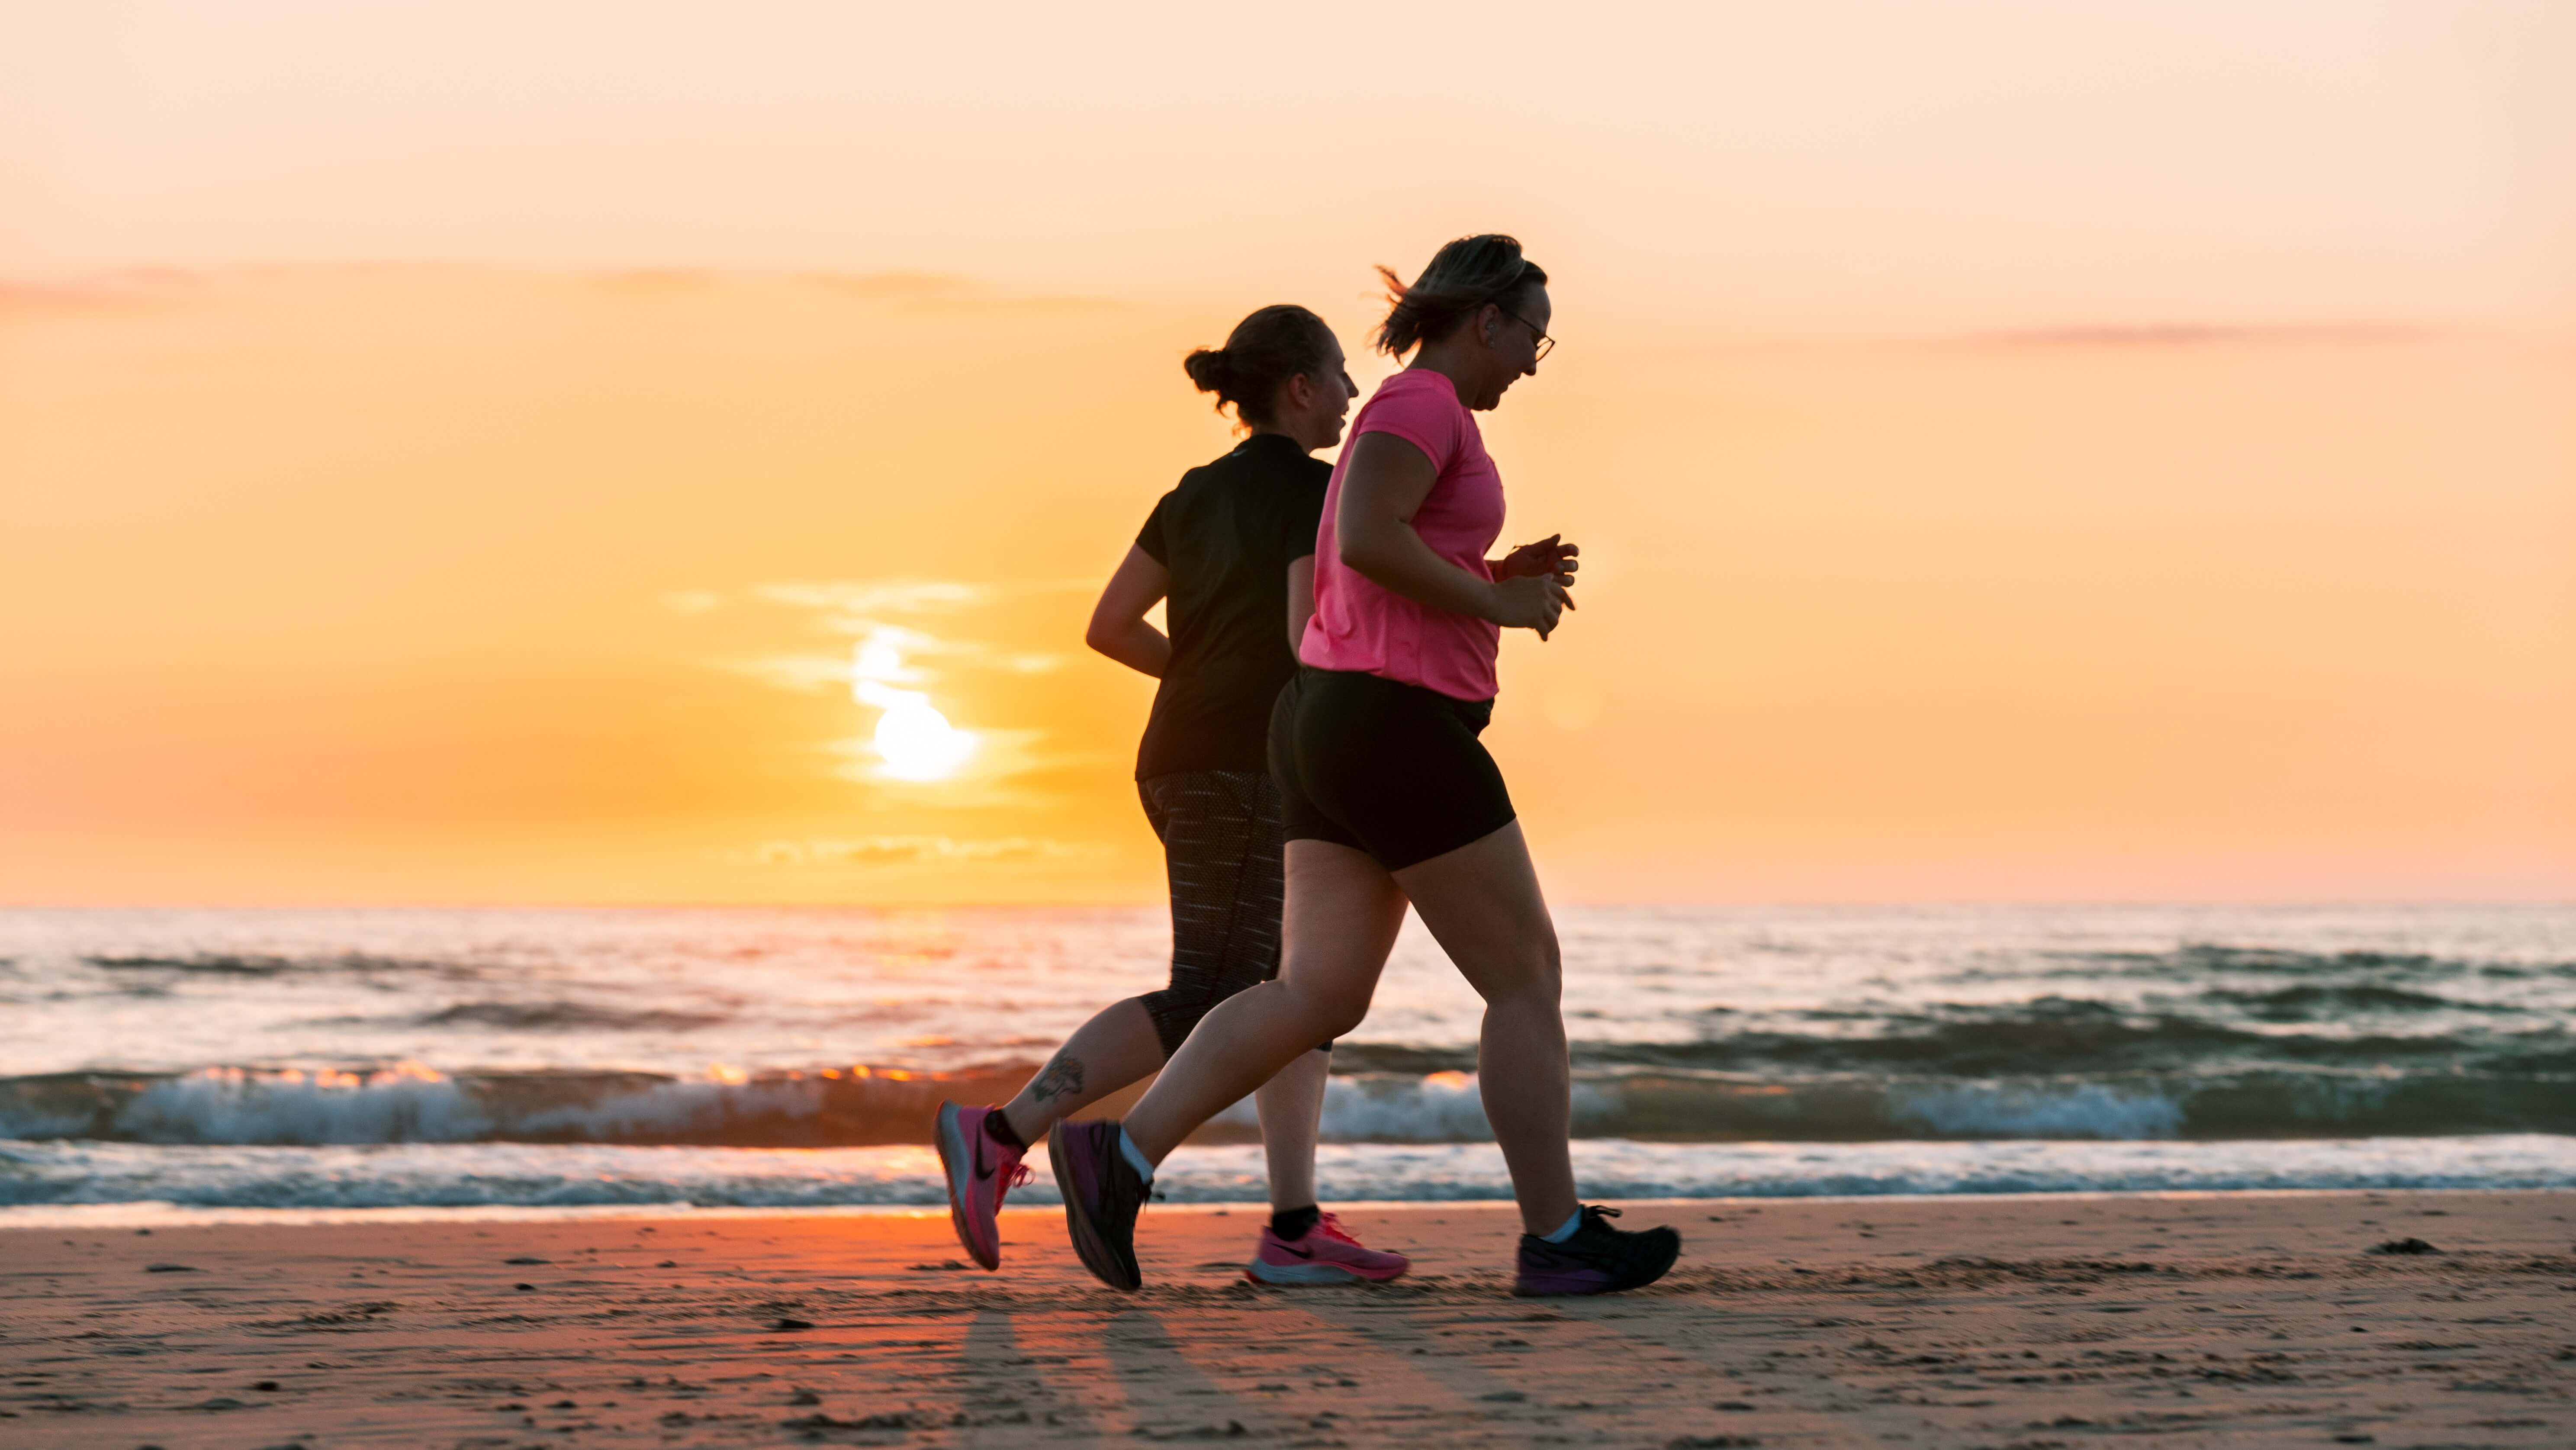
point(1299, 1253)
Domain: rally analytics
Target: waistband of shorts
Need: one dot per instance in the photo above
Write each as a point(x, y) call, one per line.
point(1475, 712)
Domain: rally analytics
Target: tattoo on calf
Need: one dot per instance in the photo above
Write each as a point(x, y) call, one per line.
point(1062, 1078)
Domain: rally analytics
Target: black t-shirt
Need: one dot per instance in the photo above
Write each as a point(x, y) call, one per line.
point(1228, 534)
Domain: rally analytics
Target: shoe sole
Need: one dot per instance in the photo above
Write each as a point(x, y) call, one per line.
point(1293, 1275)
point(1088, 1246)
point(957, 1156)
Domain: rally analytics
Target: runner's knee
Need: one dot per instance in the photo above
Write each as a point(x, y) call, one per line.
point(1175, 1010)
point(1530, 975)
point(1341, 1017)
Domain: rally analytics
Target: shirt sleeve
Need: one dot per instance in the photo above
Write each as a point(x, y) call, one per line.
point(1150, 538)
point(1429, 419)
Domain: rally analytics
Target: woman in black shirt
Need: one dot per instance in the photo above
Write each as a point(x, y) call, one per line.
point(1233, 550)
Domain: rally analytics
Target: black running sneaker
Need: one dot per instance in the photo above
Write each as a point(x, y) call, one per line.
point(1599, 1259)
point(1103, 1193)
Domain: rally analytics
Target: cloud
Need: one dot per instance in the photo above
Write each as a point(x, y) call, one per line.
point(24, 297)
point(908, 596)
point(912, 291)
point(945, 289)
point(916, 751)
point(985, 779)
point(867, 607)
point(657, 279)
point(892, 286)
point(2199, 335)
point(853, 602)
point(879, 657)
point(904, 286)
point(132, 288)
point(902, 851)
point(864, 608)
point(805, 674)
point(947, 292)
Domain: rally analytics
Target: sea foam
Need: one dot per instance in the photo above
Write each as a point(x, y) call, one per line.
point(556, 1177)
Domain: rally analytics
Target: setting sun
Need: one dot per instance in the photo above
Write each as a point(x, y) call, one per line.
point(917, 742)
point(913, 740)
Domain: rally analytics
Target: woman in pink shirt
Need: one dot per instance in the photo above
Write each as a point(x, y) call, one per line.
point(1390, 800)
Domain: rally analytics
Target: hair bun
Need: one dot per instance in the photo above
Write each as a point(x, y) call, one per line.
point(1210, 369)
point(1263, 352)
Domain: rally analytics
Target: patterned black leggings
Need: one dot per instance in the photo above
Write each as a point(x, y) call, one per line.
point(1221, 847)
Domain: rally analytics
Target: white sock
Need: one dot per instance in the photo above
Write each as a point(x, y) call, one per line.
point(1127, 1147)
point(1566, 1229)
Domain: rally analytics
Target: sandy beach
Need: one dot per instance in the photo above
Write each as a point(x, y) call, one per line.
point(2036, 1323)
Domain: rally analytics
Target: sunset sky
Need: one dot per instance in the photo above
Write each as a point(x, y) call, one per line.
point(468, 453)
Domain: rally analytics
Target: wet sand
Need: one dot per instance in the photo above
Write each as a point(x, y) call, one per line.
point(2027, 1324)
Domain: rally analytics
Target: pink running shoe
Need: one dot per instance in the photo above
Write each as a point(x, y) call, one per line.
point(1326, 1255)
point(980, 1172)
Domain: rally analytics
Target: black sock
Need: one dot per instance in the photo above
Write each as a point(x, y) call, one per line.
point(997, 1126)
point(1293, 1224)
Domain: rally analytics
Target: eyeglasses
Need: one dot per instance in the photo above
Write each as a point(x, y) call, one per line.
point(1545, 343)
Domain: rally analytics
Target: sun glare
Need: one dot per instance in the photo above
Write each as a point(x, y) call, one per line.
point(918, 743)
point(913, 740)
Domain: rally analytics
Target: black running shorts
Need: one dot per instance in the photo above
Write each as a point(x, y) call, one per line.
point(1383, 767)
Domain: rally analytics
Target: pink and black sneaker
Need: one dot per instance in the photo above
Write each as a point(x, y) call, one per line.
point(1103, 1193)
point(1326, 1255)
point(1599, 1259)
point(981, 1169)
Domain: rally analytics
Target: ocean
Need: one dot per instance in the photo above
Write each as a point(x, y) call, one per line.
point(752, 1058)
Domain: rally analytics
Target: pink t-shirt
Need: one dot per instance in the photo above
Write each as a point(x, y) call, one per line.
point(1362, 626)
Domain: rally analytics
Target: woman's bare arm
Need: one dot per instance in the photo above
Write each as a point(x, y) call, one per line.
point(1301, 598)
point(1118, 628)
point(1385, 484)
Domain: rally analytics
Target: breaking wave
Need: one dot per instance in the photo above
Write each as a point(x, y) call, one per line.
point(857, 1107)
point(555, 1057)
point(235, 964)
point(2198, 961)
point(562, 1017)
point(42, 1179)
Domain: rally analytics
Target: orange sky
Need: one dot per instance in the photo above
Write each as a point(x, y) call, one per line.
point(2018, 454)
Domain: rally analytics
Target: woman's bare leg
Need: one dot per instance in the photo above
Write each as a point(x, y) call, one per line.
point(1343, 912)
point(1292, 1109)
point(1482, 904)
point(1116, 1047)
